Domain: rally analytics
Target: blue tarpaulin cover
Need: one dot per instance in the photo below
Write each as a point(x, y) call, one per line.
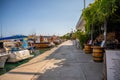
point(14, 37)
point(25, 44)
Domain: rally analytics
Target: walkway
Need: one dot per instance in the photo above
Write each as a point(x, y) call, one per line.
point(64, 62)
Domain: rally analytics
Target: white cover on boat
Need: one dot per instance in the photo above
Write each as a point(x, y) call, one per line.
point(19, 55)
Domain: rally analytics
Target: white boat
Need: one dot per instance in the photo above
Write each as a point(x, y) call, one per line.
point(3, 58)
point(19, 55)
point(6, 53)
point(3, 55)
point(12, 56)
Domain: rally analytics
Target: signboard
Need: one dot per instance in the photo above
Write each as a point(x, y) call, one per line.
point(113, 64)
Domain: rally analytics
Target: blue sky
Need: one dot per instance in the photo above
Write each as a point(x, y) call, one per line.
point(45, 17)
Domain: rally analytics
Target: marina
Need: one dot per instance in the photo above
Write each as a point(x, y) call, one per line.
point(59, 40)
point(19, 49)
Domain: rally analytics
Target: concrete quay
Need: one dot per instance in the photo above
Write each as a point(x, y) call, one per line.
point(64, 62)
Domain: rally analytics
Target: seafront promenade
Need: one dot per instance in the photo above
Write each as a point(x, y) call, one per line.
point(64, 62)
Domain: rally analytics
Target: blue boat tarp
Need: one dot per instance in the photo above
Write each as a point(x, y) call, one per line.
point(14, 37)
point(25, 44)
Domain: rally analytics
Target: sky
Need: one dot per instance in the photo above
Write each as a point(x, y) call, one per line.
point(43, 17)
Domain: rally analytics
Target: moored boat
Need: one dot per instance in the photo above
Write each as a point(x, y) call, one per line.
point(3, 55)
point(42, 45)
point(19, 55)
point(3, 58)
point(16, 50)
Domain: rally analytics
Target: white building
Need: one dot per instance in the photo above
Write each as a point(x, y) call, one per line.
point(81, 24)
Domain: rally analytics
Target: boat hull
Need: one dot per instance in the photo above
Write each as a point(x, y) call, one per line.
point(42, 45)
point(19, 55)
point(3, 59)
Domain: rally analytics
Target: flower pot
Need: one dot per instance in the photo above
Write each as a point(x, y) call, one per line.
point(87, 49)
point(98, 53)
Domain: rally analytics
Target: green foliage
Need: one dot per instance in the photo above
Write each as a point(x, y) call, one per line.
point(97, 12)
point(73, 36)
point(66, 36)
point(82, 37)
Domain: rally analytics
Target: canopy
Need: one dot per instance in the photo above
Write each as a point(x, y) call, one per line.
point(14, 37)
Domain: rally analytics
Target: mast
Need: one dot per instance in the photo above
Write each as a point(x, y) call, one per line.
point(1, 31)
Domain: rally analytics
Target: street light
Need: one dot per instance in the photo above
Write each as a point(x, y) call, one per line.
point(84, 4)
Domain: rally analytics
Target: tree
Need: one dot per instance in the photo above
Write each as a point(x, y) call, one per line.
point(98, 12)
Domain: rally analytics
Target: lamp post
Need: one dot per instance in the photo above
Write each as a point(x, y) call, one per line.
point(84, 4)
